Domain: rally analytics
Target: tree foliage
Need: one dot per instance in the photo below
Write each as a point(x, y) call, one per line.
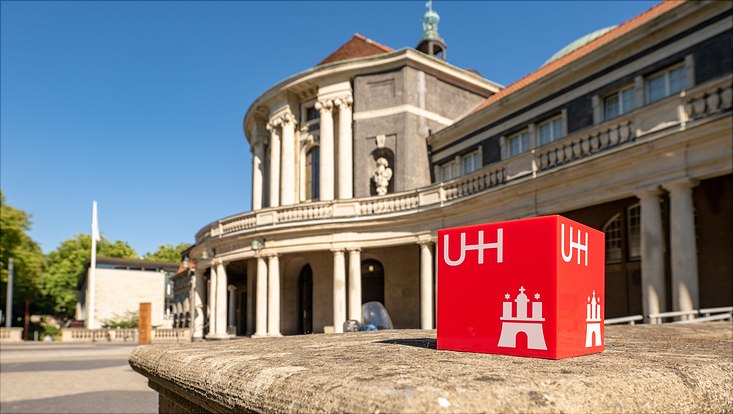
point(27, 257)
point(65, 265)
point(168, 253)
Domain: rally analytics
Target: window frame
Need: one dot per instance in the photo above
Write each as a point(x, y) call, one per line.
point(550, 121)
point(519, 135)
point(619, 94)
point(665, 74)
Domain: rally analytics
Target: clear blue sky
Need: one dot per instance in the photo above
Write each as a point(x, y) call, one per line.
point(139, 105)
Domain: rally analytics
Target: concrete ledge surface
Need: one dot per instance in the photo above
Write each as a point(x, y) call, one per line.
point(645, 368)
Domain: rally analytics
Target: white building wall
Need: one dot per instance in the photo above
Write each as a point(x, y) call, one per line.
point(119, 291)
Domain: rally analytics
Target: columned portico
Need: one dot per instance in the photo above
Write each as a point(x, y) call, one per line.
point(685, 293)
point(274, 162)
point(339, 291)
point(653, 295)
point(251, 274)
point(211, 332)
point(326, 172)
point(199, 314)
point(261, 317)
point(345, 150)
point(273, 296)
point(426, 285)
point(258, 159)
point(287, 176)
point(221, 301)
point(355, 284)
point(232, 318)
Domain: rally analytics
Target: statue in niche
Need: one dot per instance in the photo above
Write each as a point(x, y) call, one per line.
point(382, 175)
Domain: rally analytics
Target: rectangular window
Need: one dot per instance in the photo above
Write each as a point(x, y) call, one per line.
point(666, 83)
point(446, 171)
point(312, 113)
point(551, 130)
point(471, 162)
point(620, 102)
point(633, 217)
point(519, 143)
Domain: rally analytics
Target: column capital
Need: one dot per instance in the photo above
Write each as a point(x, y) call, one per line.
point(324, 105)
point(232, 288)
point(684, 183)
point(288, 118)
point(648, 192)
point(271, 255)
point(274, 123)
point(216, 262)
point(425, 243)
point(343, 102)
point(353, 250)
point(337, 251)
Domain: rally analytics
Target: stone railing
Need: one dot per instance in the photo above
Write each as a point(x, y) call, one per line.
point(574, 147)
point(674, 111)
point(11, 334)
point(712, 99)
point(123, 335)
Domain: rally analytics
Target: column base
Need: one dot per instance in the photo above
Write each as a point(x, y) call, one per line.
point(217, 337)
point(267, 335)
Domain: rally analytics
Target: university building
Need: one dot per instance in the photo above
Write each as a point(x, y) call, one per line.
point(358, 161)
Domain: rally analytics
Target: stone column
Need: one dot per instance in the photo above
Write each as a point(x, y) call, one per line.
point(287, 166)
point(339, 291)
point(345, 156)
point(355, 284)
point(326, 150)
point(653, 294)
point(683, 246)
point(232, 319)
point(273, 296)
point(251, 272)
point(211, 331)
point(274, 162)
point(426, 285)
point(258, 158)
point(198, 311)
point(261, 317)
point(221, 301)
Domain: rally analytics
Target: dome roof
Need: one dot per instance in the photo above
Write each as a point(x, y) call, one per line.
point(579, 43)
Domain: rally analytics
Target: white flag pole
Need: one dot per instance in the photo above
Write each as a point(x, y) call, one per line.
point(91, 323)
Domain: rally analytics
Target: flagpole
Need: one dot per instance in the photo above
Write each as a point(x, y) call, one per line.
point(91, 324)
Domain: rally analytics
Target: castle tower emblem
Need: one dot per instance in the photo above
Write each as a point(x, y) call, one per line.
point(530, 325)
point(593, 322)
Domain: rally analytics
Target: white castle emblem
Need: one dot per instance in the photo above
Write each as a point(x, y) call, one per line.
point(531, 326)
point(593, 322)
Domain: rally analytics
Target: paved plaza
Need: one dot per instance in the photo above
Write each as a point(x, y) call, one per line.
point(71, 378)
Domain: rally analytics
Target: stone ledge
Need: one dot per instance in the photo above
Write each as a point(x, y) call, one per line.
point(645, 368)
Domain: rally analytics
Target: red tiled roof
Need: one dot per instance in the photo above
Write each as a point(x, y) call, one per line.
point(358, 46)
point(614, 34)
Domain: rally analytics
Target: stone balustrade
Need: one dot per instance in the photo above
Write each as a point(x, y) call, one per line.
point(709, 101)
point(123, 335)
point(679, 111)
point(11, 334)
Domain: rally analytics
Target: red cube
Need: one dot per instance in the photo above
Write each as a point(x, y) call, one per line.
point(531, 287)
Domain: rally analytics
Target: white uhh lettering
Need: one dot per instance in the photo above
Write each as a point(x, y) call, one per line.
point(479, 247)
point(573, 245)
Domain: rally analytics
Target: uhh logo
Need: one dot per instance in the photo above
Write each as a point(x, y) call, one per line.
point(567, 257)
point(479, 247)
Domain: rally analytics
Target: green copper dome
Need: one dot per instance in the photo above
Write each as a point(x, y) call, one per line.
point(579, 43)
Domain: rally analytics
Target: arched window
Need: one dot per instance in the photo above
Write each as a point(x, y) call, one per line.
point(312, 188)
point(614, 240)
point(372, 281)
point(305, 300)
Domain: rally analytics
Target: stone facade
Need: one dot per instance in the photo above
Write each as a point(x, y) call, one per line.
point(635, 140)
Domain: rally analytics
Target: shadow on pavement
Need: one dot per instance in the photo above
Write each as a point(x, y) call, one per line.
point(61, 365)
point(88, 402)
point(428, 343)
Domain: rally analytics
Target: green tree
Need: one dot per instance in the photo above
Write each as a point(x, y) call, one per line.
point(168, 252)
point(64, 267)
point(27, 257)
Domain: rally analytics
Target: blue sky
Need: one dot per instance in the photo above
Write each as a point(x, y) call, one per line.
point(139, 105)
